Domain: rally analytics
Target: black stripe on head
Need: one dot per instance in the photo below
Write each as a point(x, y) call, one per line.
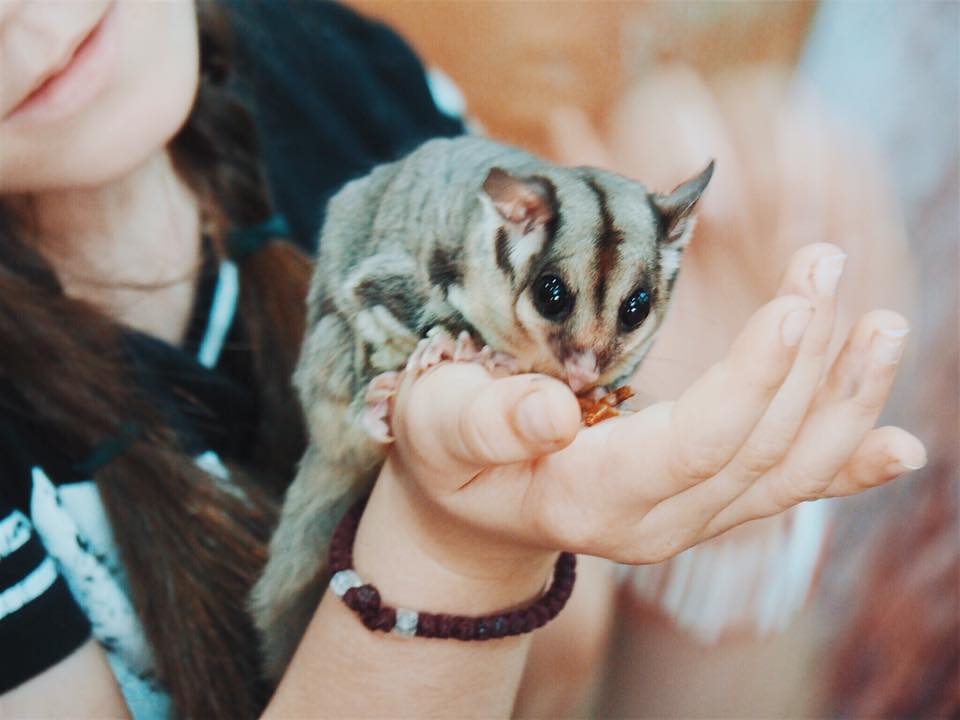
point(443, 269)
point(607, 244)
point(659, 221)
point(503, 252)
point(550, 228)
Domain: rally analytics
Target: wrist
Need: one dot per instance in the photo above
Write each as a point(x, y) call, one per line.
point(421, 556)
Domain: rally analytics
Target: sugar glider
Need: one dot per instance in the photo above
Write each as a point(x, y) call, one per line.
point(566, 271)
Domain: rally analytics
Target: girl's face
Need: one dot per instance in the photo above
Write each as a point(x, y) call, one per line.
point(89, 89)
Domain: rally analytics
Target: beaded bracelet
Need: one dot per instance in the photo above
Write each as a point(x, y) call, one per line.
point(364, 598)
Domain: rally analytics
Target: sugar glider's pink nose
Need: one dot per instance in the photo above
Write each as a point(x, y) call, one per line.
point(581, 369)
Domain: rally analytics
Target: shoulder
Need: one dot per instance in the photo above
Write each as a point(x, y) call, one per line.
point(333, 94)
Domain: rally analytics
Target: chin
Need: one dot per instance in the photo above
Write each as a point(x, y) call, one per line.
point(136, 133)
point(94, 161)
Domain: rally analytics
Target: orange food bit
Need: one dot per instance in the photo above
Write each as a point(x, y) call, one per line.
point(604, 408)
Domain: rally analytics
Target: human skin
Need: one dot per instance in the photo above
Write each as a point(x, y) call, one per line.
point(488, 478)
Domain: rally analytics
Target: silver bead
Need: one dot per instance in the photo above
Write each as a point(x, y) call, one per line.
point(406, 622)
point(343, 581)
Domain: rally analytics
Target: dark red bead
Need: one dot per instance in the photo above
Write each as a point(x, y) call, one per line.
point(370, 620)
point(554, 605)
point(368, 599)
point(427, 625)
point(385, 619)
point(444, 625)
point(541, 614)
point(464, 628)
point(350, 598)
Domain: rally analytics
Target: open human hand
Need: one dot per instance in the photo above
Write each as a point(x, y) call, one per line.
point(499, 466)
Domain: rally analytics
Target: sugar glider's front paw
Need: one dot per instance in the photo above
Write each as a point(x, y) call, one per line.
point(437, 347)
point(498, 364)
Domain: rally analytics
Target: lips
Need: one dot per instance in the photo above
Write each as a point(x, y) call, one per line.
point(73, 49)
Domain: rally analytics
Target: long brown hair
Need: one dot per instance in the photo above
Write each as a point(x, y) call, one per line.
point(191, 548)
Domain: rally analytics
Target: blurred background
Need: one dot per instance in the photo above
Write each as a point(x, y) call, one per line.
point(833, 122)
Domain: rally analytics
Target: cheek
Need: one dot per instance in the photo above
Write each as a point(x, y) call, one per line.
point(634, 347)
point(151, 90)
point(535, 331)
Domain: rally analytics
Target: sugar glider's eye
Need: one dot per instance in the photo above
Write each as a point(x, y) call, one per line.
point(552, 298)
point(634, 310)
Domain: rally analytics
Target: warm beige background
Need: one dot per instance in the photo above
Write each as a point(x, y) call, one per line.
point(516, 61)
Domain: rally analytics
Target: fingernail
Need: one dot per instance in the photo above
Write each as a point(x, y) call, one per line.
point(826, 274)
point(913, 465)
point(534, 417)
point(794, 325)
point(887, 345)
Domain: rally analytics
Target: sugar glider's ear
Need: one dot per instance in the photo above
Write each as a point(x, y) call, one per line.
point(676, 209)
point(525, 203)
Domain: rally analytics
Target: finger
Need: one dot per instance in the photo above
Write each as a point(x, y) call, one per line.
point(715, 416)
point(814, 271)
point(885, 453)
point(456, 420)
point(866, 366)
point(845, 409)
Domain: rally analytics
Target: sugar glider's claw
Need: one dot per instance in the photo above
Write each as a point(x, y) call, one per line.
point(376, 414)
point(466, 349)
point(383, 387)
point(416, 357)
point(375, 420)
point(438, 346)
point(483, 357)
point(500, 364)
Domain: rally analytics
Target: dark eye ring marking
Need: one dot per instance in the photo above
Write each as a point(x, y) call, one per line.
point(634, 310)
point(552, 298)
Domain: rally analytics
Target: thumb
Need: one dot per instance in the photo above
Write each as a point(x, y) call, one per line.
point(459, 420)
